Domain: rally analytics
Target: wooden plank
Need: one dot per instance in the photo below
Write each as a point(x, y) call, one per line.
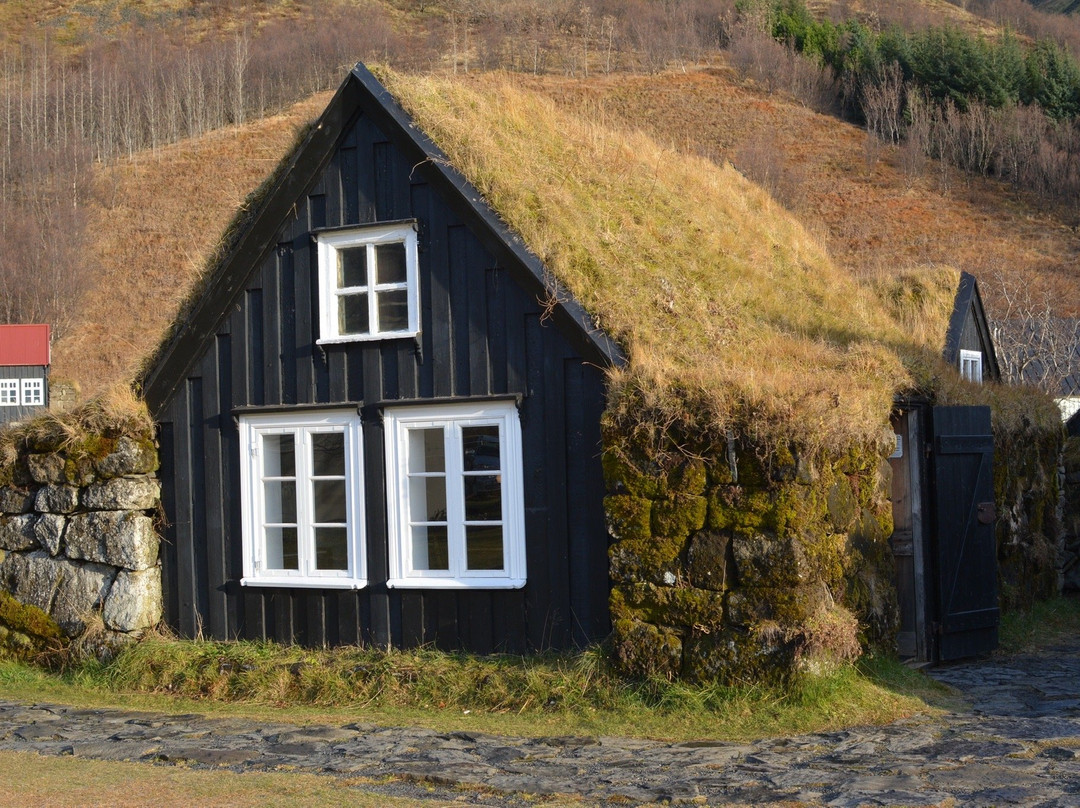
point(445, 605)
point(287, 323)
point(475, 613)
point(438, 355)
point(509, 619)
point(170, 475)
point(313, 602)
point(375, 513)
point(271, 332)
point(308, 360)
point(412, 618)
point(347, 618)
point(557, 616)
point(366, 135)
point(534, 439)
point(215, 367)
point(383, 175)
point(495, 295)
point(477, 262)
point(348, 163)
point(186, 581)
point(457, 238)
point(256, 348)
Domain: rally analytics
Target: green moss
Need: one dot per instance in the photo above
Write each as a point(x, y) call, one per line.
point(679, 515)
point(644, 559)
point(629, 518)
point(688, 478)
point(634, 475)
point(740, 656)
point(666, 605)
point(841, 504)
point(27, 631)
point(641, 649)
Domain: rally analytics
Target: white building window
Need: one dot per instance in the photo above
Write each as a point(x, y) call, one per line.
point(368, 283)
point(302, 487)
point(9, 392)
point(971, 366)
point(33, 392)
point(455, 496)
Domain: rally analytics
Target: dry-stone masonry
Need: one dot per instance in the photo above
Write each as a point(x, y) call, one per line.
point(77, 536)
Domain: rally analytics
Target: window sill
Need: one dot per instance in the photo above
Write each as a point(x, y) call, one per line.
point(455, 583)
point(368, 337)
point(305, 583)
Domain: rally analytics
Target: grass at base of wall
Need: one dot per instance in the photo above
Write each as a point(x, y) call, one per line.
point(1046, 623)
point(553, 694)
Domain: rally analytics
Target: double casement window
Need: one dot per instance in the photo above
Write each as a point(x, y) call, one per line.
point(455, 497)
point(368, 283)
point(301, 477)
point(25, 392)
point(971, 366)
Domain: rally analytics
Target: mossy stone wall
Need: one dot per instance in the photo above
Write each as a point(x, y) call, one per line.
point(1029, 524)
point(738, 563)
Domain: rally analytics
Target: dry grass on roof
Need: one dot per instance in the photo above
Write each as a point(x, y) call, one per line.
point(718, 295)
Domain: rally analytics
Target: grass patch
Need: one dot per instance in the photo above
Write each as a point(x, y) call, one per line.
point(552, 694)
point(1046, 623)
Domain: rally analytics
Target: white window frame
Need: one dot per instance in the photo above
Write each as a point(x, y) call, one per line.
point(253, 428)
point(329, 243)
point(971, 365)
point(32, 392)
point(9, 393)
point(453, 417)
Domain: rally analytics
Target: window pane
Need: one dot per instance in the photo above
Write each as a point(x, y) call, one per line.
point(281, 548)
point(328, 454)
point(331, 548)
point(480, 445)
point(484, 547)
point(427, 499)
point(352, 266)
point(430, 548)
point(426, 450)
point(393, 310)
point(280, 500)
point(390, 263)
point(483, 498)
point(352, 314)
point(279, 456)
point(329, 500)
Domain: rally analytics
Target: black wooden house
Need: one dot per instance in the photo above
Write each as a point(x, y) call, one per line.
point(24, 370)
point(373, 425)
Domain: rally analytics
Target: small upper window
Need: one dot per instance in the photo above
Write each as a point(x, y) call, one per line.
point(369, 286)
point(455, 496)
point(301, 484)
point(33, 392)
point(971, 366)
point(9, 392)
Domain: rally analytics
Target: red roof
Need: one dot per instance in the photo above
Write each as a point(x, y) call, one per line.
point(24, 345)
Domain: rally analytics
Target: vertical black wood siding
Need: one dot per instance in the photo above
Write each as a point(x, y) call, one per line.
point(482, 334)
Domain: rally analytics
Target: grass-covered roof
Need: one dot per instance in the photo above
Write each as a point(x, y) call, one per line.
point(727, 308)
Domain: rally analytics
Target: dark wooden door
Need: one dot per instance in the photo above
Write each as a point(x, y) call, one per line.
point(964, 546)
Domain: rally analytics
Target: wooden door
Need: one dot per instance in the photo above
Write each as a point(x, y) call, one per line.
point(965, 552)
point(908, 549)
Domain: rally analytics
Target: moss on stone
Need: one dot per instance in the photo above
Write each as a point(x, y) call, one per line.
point(647, 559)
point(687, 478)
point(666, 605)
point(641, 649)
point(678, 515)
point(629, 517)
point(27, 631)
point(739, 656)
point(626, 474)
point(709, 562)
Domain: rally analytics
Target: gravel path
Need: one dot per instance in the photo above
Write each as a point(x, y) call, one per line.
point(1020, 745)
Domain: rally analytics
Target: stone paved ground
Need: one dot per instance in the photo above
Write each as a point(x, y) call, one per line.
point(1020, 745)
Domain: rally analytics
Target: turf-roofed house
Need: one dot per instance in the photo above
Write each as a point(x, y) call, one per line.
point(539, 385)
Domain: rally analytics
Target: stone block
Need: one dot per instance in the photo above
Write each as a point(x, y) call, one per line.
point(678, 516)
point(57, 499)
point(129, 457)
point(45, 468)
point(49, 531)
point(628, 517)
point(16, 500)
point(17, 532)
point(767, 562)
point(707, 560)
point(642, 649)
point(134, 602)
point(81, 592)
point(122, 493)
point(121, 538)
point(32, 578)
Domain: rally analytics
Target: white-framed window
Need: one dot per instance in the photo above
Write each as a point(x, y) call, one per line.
point(455, 496)
point(302, 487)
point(33, 392)
point(9, 392)
point(368, 282)
point(971, 365)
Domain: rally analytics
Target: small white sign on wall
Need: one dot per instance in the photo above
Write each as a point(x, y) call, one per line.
point(899, 450)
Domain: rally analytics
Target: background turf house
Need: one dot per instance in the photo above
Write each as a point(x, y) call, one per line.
point(598, 388)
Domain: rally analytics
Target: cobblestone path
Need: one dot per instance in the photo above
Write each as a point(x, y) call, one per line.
point(1020, 745)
